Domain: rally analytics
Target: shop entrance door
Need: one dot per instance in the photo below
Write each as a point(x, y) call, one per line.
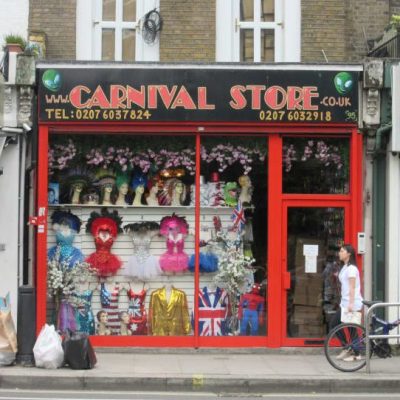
point(313, 232)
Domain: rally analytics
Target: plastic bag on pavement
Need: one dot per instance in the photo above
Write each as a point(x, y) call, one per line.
point(48, 351)
point(79, 353)
point(8, 334)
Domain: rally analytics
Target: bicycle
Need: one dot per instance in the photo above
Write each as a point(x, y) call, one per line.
point(345, 345)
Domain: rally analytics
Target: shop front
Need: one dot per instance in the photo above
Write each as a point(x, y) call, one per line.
point(195, 205)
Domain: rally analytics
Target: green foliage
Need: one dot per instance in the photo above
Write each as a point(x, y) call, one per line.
point(395, 20)
point(14, 39)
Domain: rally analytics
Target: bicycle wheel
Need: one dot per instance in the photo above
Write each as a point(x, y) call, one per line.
point(345, 347)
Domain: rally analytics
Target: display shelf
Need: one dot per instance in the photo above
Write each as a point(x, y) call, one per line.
point(51, 206)
point(139, 207)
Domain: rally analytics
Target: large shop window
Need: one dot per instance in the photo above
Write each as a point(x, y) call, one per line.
point(316, 165)
point(112, 30)
point(121, 241)
point(258, 30)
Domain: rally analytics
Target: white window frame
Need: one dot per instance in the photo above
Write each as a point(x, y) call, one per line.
point(286, 26)
point(90, 24)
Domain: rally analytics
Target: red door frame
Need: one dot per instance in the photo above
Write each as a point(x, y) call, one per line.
point(276, 278)
point(286, 204)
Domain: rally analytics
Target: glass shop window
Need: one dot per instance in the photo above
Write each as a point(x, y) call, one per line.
point(233, 237)
point(314, 294)
point(316, 165)
point(121, 233)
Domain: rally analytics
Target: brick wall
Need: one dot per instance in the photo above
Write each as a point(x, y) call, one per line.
point(189, 31)
point(394, 7)
point(323, 28)
point(57, 18)
point(366, 20)
point(342, 27)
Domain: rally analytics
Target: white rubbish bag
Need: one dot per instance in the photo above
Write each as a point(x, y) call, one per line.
point(8, 334)
point(48, 349)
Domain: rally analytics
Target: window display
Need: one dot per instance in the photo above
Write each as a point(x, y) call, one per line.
point(141, 278)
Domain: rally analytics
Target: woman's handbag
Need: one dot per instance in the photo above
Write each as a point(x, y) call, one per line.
point(351, 317)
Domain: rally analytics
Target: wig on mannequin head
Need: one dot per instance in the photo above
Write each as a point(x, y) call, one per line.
point(169, 189)
point(104, 178)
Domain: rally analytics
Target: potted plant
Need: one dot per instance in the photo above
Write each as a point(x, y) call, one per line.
point(14, 43)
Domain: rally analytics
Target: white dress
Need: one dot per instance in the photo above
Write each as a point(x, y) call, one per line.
point(142, 265)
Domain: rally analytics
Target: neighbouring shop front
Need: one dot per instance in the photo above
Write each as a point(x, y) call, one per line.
point(195, 205)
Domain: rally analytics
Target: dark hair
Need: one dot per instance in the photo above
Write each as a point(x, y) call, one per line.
point(350, 249)
point(98, 315)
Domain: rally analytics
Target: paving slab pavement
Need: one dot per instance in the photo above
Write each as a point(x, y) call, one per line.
point(264, 372)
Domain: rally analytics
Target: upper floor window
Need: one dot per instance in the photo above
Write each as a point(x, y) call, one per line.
point(115, 30)
point(110, 30)
point(258, 30)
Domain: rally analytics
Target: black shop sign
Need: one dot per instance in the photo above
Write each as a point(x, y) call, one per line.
point(197, 95)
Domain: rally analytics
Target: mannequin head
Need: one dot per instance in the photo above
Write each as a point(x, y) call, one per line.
point(66, 225)
point(122, 184)
point(175, 189)
point(124, 317)
point(102, 317)
point(244, 181)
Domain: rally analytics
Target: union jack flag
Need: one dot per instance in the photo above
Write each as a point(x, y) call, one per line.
point(213, 313)
point(238, 217)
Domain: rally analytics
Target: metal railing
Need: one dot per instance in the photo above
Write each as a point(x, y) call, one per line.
point(369, 337)
point(389, 49)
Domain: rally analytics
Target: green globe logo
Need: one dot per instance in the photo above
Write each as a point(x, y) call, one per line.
point(343, 82)
point(52, 80)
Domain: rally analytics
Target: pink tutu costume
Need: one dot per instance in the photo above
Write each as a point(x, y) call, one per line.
point(175, 229)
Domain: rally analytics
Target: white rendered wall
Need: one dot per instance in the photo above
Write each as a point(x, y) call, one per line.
point(393, 232)
point(13, 19)
point(9, 183)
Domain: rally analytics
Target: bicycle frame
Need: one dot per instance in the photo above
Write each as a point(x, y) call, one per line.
point(386, 326)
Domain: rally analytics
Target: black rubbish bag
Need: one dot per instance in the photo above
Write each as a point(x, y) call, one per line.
point(79, 353)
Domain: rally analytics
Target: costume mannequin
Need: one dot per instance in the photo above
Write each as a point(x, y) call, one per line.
point(178, 194)
point(152, 198)
point(85, 315)
point(109, 302)
point(175, 229)
point(106, 181)
point(76, 190)
point(168, 312)
point(102, 326)
point(104, 228)
point(142, 265)
point(137, 310)
point(125, 324)
point(213, 311)
point(246, 189)
point(251, 311)
point(76, 180)
point(66, 225)
point(122, 184)
point(106, 191)
point(138, 185)
point(173, 193)
point(91, 197)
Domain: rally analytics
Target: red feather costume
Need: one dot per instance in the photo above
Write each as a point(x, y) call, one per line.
point(104, 229)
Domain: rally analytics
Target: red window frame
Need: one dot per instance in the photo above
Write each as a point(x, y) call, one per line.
point(276, 202)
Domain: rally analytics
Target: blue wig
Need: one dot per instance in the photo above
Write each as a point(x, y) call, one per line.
point(138, 180)
point(67, 218)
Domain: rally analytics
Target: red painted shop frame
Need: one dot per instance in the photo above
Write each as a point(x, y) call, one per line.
point(278, 203)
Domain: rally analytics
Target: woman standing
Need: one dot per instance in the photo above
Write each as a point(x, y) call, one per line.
point(351, 300)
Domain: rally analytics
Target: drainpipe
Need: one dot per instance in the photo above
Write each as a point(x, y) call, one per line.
point(378, 215)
